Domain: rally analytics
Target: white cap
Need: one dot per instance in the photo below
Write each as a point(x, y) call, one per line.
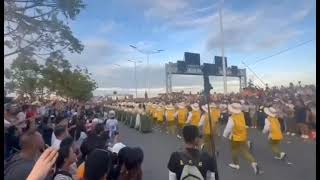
point(117, 147)
point(111, 114)
point(96, 120)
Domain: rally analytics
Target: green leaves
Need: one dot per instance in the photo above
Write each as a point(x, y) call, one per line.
point(55, 76)
point(40, 25)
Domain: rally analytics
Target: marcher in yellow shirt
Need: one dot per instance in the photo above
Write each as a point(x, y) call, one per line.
point(170, 119)
point(206, 131)
point(160, 116)
point(181, 115)
point(272, 126)
point(215, 115)
point(236, 131)
point(195, 115)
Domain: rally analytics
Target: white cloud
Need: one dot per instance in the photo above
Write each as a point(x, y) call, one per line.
point(244, 31)
point(99, 51)
point(256, 30)
point(108, 27)
point(165, 8)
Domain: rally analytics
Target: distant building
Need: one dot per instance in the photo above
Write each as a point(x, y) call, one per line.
point(118, 96)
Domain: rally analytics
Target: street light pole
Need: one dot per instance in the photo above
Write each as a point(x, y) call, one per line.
point(147, 78)
point(135, 75)
point(222, 51)
point(147, 53)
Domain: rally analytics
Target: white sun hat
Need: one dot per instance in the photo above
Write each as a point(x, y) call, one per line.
point(242, 101)
point(213, 105)
point(195, 106)
point(169, 107)
point(234, 108)
point(181, 105)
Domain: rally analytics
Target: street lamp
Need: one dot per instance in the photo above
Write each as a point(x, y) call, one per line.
point(135, 74)
point(222, 51)
point(147, 53)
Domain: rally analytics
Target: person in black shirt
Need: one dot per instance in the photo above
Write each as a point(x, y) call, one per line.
point(192, 156)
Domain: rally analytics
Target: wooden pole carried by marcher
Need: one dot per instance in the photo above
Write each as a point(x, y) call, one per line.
point(207, 88)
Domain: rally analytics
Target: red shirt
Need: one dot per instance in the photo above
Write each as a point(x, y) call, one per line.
point(31, 114)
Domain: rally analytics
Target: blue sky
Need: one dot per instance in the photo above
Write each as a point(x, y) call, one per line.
point(253, 29)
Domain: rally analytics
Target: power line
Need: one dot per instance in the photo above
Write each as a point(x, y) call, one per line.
point(283, 51)
point(254, 74)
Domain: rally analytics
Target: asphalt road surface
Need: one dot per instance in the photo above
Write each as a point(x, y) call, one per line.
point(157, 147)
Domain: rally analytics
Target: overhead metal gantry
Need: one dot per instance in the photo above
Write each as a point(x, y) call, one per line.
point(172, 68)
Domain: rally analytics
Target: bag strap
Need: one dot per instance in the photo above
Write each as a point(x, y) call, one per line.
point(186, 157)
point(63, 172)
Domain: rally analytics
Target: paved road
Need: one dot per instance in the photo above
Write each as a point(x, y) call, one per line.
point(158, 146)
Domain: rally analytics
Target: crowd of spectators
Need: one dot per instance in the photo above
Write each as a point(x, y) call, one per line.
point(66, 141)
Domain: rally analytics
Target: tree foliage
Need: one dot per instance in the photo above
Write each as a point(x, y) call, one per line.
point(250, 84)
point(55, 76)
point(40, 26)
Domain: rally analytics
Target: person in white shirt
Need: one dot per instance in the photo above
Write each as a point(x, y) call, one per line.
point(112, 125)
point(60, 132)
point(21, 118)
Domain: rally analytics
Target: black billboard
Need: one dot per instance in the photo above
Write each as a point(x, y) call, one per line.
point(192, 58)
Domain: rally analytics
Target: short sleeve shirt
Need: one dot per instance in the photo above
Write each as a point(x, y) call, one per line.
point(18, 168)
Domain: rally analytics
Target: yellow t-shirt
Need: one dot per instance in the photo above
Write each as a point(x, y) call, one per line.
point(207, 125)
point(170, 115)
point(215, 114)
point(182, 115)
point(239, 132)
point(275, 128)
point(196, 115)
point(159, 114)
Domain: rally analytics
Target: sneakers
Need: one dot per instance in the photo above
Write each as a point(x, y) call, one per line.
point(234, 166)
point(202, 146)
point(293, 134)
point(256, 169)
point(282, 156)
point(179, 137)
point(305, 136)
point(288, 133)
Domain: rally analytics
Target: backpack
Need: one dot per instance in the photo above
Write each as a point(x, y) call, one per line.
point(191, 166)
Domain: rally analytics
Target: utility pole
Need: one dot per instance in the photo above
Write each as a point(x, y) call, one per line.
point(135, 75)
point(147, 53)
point(222, 51)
